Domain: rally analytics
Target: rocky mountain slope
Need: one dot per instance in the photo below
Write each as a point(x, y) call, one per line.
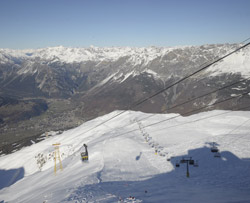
point(58, 88)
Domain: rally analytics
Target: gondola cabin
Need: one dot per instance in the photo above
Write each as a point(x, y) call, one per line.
point(85, 155)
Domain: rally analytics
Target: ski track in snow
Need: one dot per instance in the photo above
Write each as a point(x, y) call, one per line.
point(137, 166)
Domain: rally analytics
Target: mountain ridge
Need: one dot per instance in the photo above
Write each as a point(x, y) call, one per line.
point(96, 53)
point(108, 79)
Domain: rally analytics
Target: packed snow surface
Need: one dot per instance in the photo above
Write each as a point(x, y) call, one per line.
point(130, 161)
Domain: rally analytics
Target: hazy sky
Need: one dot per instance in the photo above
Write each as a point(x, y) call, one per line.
point(81, 23)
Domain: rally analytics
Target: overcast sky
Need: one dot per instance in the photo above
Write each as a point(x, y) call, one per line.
point(137, 23)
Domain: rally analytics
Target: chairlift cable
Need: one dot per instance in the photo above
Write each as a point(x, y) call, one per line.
point(214, 91)
point(187, 122)
point(188, 76)
point(164, 89)
point(236, 128)
point(197, 110)
point(201, 96)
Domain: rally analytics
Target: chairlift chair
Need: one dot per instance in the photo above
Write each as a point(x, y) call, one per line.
point(217, 155)
point(196, 163)
point(214, 149)
point(191, 162)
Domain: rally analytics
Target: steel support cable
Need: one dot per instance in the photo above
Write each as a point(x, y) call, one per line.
point(188, 76)
point(181, 80)
point(199, 97)
point(204, 107)
point(193, 111)
point(243, 137)
point(223, 113)
point(233, 139)
point(236, 128)
point(227, 112)
point(164, 89)
point(130, 79)
point(228, 134)
point(245, 40)
point(215, 61)
point(214, 91)
point(203, 118)
point(174, 117)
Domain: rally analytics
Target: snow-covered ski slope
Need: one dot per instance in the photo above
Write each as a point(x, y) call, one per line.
point(125, 164)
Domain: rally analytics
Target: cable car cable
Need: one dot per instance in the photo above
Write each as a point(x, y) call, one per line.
point(188, 101)
point(164, 89)
point(156, 123)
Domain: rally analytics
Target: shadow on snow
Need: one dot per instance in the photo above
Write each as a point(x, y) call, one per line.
point(9, 177)
point(224, 179)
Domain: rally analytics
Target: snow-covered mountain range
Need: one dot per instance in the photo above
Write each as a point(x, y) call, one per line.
point(77, 55)
point(134, 56)
point(58, 87)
